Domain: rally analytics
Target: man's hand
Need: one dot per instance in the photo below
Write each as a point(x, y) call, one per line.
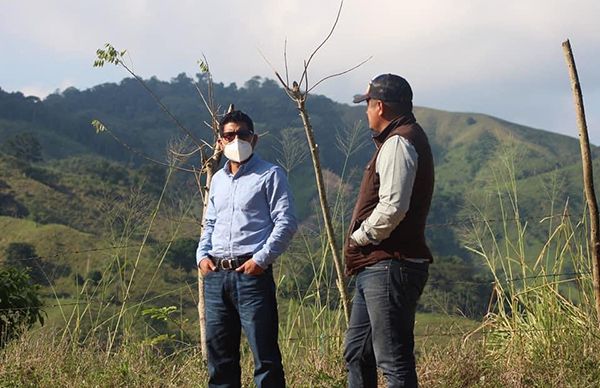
point(250, 268)
point(206, 265)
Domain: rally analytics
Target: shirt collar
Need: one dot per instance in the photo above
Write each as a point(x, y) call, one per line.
point(404, 119)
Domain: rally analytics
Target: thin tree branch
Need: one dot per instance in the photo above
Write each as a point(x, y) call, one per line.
point(215, 125)
point(288, 91)
point(285, 62)
point(588, 173)
point(209, 104)
point(211, 99)
point(140, 153)
point(338, 74)
point(206, 105)
point(187, 155)
point(284, 84)
point(337, 18)
point(305, 80)
point(299, 97)
point(163, 107)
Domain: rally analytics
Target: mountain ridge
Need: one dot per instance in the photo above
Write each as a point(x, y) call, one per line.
point(471, 151)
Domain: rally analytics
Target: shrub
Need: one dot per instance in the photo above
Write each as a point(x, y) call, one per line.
point(20, 305)
point(23, 256)
point(9, 206)
point(23, 146)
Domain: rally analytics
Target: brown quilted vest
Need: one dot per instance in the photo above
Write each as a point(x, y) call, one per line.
point(407, 240)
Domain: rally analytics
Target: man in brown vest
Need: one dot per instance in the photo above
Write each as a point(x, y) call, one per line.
point(385, 248)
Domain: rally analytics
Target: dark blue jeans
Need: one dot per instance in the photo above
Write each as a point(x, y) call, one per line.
point(234, 302)
point(380, 332)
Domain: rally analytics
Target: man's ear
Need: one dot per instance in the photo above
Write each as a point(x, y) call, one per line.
point(254, 140)
point(220, 145)
point(381, 108)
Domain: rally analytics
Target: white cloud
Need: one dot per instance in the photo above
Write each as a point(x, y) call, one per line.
point(470, 55)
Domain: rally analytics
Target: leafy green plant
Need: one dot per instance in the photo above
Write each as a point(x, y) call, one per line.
point(108, 54)
point(166, 314)
point(20, 305)
point(24, 257)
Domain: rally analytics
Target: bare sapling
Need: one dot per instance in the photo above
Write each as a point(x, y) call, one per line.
point(588, 174)
point(210, 155)
point(298, 91)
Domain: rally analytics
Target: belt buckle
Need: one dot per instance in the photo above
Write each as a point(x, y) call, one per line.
point(226, 263)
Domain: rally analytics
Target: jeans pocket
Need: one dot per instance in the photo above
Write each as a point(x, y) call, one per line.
point(209, 274)
point(413, 282)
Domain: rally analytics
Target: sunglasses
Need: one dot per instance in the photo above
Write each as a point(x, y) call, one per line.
point(242, 134)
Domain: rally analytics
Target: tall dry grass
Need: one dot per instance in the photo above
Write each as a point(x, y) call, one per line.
point(541, 329)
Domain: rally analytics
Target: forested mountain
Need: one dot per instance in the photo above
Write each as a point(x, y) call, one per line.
point(56, 170)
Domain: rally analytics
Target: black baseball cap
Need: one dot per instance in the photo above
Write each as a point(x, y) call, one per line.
point(387, 87)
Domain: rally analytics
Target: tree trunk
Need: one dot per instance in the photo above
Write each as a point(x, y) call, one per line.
point(588, 175)
point(211, 166)
point(314, 153)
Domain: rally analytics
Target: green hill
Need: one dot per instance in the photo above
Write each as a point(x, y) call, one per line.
point(92, 186)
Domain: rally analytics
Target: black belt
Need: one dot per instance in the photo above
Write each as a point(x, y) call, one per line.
point(230, 263)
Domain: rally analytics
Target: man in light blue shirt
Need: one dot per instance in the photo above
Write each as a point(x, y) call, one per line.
point(249, 222)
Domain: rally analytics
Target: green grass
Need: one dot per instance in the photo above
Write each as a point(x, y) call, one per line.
point(311, 358)
point(48, 239)
point(534, 334)
point(540, 330)
point(435, 330)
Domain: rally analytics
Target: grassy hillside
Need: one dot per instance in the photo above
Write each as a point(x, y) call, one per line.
point(90, 183)
point(115, 238)
point(83, 222)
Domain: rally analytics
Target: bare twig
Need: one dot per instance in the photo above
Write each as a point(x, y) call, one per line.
point(326, 212)
point(209, 164)
point(206, 104)
point(305, 81)
point(271, 66)
point(338, 74)
point(137, 152)
point(283, 83)
point(162, 106)
point(210, 103)
point(307, 63)
point(299, 97)
point(187, 155)
point(285, 63)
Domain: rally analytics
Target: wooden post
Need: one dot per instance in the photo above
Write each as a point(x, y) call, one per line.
point(588, 178)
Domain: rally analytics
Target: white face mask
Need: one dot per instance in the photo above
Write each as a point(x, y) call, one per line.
point(238, 150)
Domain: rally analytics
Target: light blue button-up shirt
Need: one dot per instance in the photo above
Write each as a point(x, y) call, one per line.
point(249, 213)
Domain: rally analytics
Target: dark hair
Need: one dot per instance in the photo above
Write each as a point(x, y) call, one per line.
point(236, 116)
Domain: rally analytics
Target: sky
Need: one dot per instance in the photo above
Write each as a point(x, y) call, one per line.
point(502, 58)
